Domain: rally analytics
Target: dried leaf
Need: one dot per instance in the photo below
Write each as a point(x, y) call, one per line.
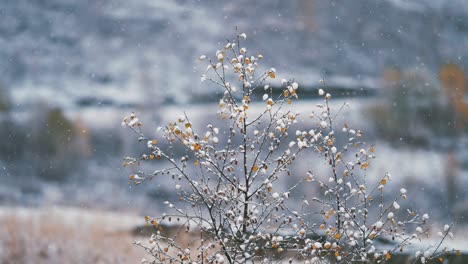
point(364, 166)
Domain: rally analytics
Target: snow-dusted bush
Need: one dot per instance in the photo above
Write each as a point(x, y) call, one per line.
point(234, 204)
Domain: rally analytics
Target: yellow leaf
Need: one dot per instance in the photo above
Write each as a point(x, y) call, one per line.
point(308, 178)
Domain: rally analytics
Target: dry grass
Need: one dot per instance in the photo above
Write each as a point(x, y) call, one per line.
point(65, 235)
point(68, 235)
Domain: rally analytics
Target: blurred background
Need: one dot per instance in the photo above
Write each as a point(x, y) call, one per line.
point(71, 69)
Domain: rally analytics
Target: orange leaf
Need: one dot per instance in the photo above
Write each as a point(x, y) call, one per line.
point(364, 166)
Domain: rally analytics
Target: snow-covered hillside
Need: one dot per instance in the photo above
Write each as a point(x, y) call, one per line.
point(133, 51)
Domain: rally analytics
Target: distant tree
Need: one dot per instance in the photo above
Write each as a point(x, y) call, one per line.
point(5, 100)
point(51, 144)
point(413, 108)
point(453, 81)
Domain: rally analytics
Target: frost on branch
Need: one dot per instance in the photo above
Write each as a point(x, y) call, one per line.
point(234, 207)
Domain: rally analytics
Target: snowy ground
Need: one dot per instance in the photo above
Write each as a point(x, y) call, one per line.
point(103, 183)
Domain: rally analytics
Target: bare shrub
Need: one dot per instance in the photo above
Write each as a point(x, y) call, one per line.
point(235, 191)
